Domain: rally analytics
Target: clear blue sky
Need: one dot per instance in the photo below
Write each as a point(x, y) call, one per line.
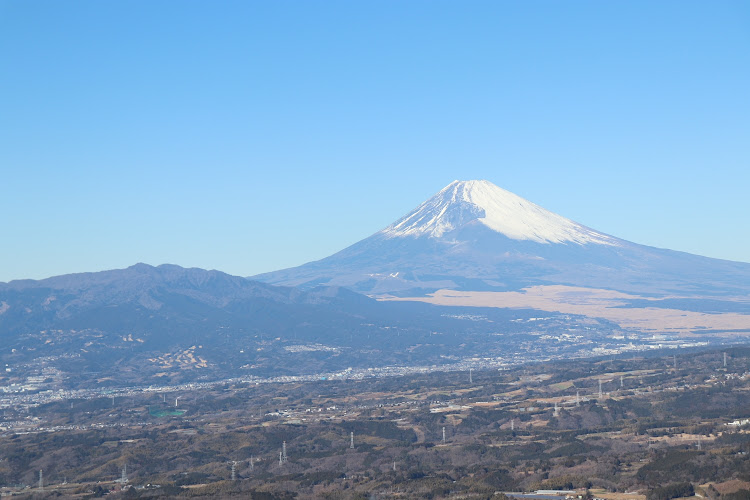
point(254, 135)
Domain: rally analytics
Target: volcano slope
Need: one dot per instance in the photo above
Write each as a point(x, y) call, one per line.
point(500, 250)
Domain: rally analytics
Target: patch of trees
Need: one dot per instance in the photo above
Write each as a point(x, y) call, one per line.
point(737, 495)
point(572, 449)
point(636, 406)
point(733, 438)
point(715, 402)
point(674, 490)
point(380, 428)
point(666, 465)
point(566, 482)
point(691, 465)
point(479, 418)
point(500, 479)
point(644, 426)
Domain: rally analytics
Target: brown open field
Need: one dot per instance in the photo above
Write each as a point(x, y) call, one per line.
point(608, 495)
point(597, 303)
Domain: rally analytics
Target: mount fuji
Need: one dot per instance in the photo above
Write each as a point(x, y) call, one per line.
point(473, 235)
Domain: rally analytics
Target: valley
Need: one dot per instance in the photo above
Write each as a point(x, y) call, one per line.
point(622, 428)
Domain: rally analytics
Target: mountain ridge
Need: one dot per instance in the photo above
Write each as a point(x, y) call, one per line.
point(148, 287)
point(146, 324)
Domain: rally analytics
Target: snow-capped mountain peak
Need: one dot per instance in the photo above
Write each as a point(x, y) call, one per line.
point(474, 236)
point(464, 202)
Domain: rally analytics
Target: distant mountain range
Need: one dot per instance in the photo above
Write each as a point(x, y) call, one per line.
point(517, 280)
point(170, 299)
point(473, 235)
point(148, 324)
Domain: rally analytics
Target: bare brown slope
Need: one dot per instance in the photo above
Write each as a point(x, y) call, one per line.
point(598, 303)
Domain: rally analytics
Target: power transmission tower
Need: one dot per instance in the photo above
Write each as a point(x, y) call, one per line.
point(41, 480)
point(284, 458)
point(725, 360)
point(234, 471)
point(512, 424)
point(600, 388)
point(351, 440)
point(557, 410)
point(124, 475)
point(578, 398)
point(443, 435)
point(470, 378)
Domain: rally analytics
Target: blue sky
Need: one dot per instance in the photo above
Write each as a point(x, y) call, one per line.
point(252, 136)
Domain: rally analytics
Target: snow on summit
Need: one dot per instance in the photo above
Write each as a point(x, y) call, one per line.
point(464, 202)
